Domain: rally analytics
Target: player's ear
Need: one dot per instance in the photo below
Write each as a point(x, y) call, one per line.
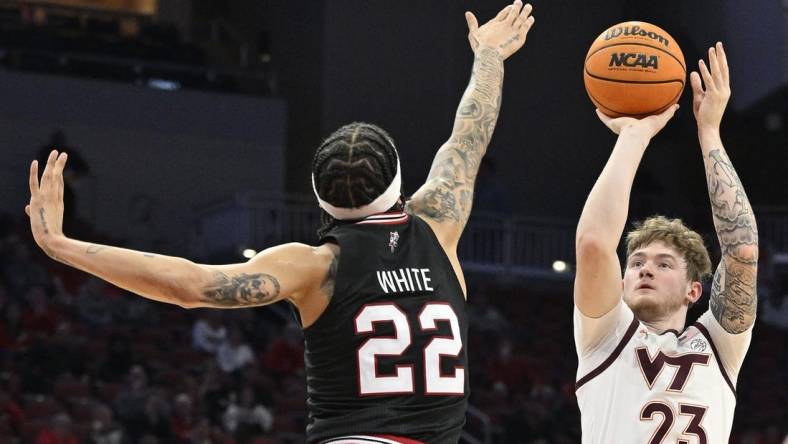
point(694, 292)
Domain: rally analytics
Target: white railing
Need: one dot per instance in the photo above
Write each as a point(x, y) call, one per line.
point(490, 243)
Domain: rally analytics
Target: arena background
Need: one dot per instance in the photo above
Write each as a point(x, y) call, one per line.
point(191, 126)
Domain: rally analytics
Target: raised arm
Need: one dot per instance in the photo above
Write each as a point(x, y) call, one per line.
point(445, 198)
point(733, 296)
point(599, 230)
point(290, 271)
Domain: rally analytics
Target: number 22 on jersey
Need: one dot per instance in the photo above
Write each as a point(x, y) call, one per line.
point(402, 382)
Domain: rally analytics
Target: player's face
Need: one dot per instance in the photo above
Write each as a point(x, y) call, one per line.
point(655, 281)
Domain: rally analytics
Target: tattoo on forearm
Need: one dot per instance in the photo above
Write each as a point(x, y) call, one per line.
point(43, 220)
point(733, 299)
point(733, 294)
point(94, 249)
point(242, 290)
point(456, 165)
point(329, 282)
point(149, 255)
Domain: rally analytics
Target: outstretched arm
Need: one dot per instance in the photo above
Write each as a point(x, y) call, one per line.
point(733, 298)
point(285, 272)
point(445, 199)
point(599, 230)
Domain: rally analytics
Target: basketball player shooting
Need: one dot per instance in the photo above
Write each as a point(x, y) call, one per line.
point(643, 377)
point(381, 300)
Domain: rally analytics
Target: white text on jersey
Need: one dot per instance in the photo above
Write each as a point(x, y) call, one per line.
point(404, 279)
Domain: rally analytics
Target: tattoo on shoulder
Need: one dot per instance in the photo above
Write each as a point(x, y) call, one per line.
point(329, 282)
point(242, 290)
point(733, 300)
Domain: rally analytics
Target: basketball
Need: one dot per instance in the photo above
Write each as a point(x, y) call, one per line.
point(634, 69)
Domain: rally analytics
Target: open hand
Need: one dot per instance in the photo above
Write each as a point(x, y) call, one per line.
point(708, 104)
point(46, 200)
point(505, 33)
point(647, 126)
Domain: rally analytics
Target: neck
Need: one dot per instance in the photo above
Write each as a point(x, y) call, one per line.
point(674, 321)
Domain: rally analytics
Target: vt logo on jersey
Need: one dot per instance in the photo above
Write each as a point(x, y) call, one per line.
point(651, 368)
point(393, 238)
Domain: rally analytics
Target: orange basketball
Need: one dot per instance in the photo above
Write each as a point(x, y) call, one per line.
point(634, 69)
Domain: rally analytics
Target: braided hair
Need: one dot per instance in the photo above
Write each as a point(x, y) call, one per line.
point(352, 167)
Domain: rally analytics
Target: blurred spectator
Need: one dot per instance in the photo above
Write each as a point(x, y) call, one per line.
point(286, 353)
point(22, 271)
point(131, 401)
point(104, 429)
point(156, 420)
point(485, 318)
point(39, 318)
point(234, 353)
point(58, 431)
point(245, 417)
point(94, 304)
point(208, 332)
point(12, 412)
point(114, 365)
point(183, 421)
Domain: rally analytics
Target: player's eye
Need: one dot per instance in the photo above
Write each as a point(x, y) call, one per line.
point(636, 264)
point(665, 265)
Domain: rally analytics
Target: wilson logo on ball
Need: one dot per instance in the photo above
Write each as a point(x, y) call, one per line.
point(633, 59)
point(635, 31)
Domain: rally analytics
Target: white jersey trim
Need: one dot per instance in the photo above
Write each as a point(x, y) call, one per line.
point(360, 439)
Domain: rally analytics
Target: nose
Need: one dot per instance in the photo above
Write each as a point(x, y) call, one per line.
point(645, 270)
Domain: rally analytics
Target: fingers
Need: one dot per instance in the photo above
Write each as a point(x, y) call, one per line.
point(33, 179)
point(514, 12)
point(523, 17)
point(607, 120)
point(528, 23)
point(46, 180)
point(503, 14)
point(708, 82)
point(714, 68)
point(723, 59)
point(473, 24)
point(670, 112)
point(697, 88)
point(60, 164)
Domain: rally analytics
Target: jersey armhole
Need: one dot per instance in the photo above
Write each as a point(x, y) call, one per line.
point(443, 254)
point(327, 239)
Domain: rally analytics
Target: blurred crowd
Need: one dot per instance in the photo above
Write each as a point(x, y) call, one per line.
point(84, 362)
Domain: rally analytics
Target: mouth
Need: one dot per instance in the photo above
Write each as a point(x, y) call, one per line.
point(644, 286)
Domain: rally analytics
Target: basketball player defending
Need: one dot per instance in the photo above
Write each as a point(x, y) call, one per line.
point(381, 300)
point(643, 377)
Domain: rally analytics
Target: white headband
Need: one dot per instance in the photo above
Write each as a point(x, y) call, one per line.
point(379, 205)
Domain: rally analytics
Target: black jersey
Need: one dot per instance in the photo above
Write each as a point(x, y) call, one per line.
point(388, 355)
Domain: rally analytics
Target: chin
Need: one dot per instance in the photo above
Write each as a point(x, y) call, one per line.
point(647, 307)
point(650, 307)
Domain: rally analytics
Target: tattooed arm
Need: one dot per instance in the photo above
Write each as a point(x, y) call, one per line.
point(290, 271)
point(733, 294)
point(445, 199)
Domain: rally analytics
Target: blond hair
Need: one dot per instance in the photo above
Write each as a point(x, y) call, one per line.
point(675, 234)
